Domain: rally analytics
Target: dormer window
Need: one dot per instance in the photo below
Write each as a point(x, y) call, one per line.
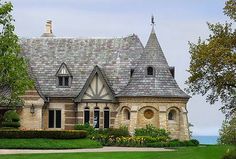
point(64, 77)
point(150, 71)
point(63, 81)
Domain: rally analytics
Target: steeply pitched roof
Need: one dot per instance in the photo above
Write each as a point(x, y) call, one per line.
point(114, 56)
point(161, 84)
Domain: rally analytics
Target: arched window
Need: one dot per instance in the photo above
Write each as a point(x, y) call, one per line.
point(96, 117)
point(86, 115)
point(127, 114)
point(172, 115)
point(150, 71)
point(106, 117)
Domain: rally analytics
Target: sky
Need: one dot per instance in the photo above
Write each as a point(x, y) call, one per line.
point(177, 23)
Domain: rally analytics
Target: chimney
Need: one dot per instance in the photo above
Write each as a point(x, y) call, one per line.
point(48, 29)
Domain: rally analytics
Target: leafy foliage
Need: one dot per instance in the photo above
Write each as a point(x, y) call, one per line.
point(11, 119)
point(115, 132)
point(230, 9)
point(213, 64)
point(52, 134)
point(228, 132)
point(91, 130)
point(152, 131)
point(13, 67)
point(230, 155)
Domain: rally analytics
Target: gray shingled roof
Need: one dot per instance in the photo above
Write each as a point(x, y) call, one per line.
point(114, 56)
point(161, 84)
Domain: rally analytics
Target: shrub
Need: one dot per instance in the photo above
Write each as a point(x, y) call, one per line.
point(91, 130)
point(152, 131)
point(11, 116)
point(11, 119)
point(115, 132)
point(230, 155)
point(11, 124)
point(173, 143)
point(195, 142)
point(52, 134)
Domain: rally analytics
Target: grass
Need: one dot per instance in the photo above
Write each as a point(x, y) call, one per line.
point(208, 152)
point(48, 144)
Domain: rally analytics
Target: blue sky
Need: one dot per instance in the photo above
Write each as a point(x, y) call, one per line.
point(177, 22)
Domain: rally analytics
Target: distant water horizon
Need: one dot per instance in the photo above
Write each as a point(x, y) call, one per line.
point(211, 140)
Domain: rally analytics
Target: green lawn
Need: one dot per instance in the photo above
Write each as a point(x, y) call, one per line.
point(48, 144)
point(209, 152)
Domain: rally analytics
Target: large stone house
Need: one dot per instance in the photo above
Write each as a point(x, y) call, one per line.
point(104, 82)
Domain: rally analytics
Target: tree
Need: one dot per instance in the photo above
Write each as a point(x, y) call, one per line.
point(213, 63)
point(14, 77)
point(228, 132)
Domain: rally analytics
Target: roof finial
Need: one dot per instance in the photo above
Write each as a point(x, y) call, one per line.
point(153, 24)
point(152, 20)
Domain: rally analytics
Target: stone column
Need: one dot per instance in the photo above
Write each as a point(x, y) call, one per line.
point(133, 119)
point(163, 117)
point(184, 127)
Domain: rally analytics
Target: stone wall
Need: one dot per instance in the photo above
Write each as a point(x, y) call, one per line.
point(30, 120)
point(159, 109)
point(134, 113)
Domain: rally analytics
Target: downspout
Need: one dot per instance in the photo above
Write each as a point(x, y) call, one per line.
point(45, 105)
point(76, 112)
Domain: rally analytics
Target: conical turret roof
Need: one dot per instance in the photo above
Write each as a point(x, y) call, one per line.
point(161, 83)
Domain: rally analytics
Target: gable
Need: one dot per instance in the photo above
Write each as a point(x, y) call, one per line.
point(63, 70)
point(96, 88)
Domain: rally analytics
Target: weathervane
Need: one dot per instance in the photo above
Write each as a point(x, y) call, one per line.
point(152, 20)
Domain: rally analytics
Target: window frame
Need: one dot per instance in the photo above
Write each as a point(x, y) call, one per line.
point(174, 114)
point(127, 114)
point(106, 109)
point(63, 81)
point(97, 126)
point(64, 74)
point(55, 119)
point(146, 71)
point(86, 109)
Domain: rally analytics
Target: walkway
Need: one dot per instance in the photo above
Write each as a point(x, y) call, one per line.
point(104, 149)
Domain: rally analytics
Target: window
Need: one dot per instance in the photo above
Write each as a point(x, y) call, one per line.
point(96, 118)
point(63, 81)
point(54, 119)
point(127, 114)
point(172, 115)
point(148, 114)
point(64, 77)
point(150, 71)
point(86, 115)
point(106, 117)
point(131, 72)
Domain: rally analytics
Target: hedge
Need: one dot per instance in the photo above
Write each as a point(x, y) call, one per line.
point(174, 143)
point(49, 134)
